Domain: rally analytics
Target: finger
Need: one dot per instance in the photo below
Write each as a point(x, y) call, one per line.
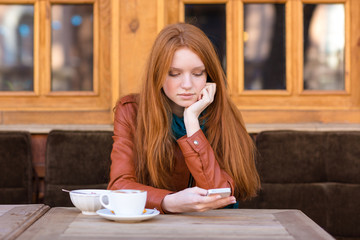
point(212, 91)
point(211, 85)
point(209, 90)
point(222, 202)
point(212, 202)
point(200, 191)
point(205, 94)
point(227, 200)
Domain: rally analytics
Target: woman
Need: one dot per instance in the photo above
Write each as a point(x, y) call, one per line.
point(182, 135)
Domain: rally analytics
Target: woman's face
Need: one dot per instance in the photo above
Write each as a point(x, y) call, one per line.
point(185, 79)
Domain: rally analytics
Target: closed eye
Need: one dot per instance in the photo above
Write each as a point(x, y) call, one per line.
point(199, 74)
point(173, 74)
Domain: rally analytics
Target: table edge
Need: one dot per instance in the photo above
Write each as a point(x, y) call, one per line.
point(34, 217)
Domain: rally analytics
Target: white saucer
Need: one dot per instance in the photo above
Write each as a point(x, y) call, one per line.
point(106, 213)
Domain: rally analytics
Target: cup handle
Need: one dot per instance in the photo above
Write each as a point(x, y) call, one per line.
point(102, 202)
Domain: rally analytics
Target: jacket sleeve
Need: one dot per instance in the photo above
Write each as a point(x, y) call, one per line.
point(122, 171)
point(200, 159)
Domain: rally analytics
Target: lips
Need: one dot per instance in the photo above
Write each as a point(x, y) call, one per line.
point(186, 96)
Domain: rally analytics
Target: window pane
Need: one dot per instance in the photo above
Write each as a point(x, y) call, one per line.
point(264, 46)
point(211, 18)
point(72, 47)
point(324, 41)
point(16, 47)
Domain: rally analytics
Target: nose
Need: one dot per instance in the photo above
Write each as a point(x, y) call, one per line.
point(186, 82)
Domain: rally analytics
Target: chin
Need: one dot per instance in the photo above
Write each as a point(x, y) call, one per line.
point(185, 104)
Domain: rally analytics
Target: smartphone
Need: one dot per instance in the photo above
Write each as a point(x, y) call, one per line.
point(223, 192)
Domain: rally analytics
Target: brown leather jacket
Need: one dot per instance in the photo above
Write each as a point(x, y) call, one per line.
point(192, 154)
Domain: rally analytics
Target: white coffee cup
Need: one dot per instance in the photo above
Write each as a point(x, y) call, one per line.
point(125, 202)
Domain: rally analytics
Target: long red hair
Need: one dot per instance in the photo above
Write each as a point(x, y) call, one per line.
point(154, 143)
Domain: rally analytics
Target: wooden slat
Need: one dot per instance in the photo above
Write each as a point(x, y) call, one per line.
point(115, 56)
point(160, 14)
point(323, 1)
point(69, 223)
point(171, 11)
point(301, 116)
point(203, 1)
point(266, 1)
point(260, 127)
point(138, 29)
point(56, 117)
point(354, 71)
point(14, 219)
point(44, 63)
point(18, 1)
point(51, 225)
point(294, 223)
point(189, 226)
point(73, 1)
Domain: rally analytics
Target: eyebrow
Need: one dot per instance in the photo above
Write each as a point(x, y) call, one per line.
point(195, 68)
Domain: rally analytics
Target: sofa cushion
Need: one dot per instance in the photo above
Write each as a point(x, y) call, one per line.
point(310, 198)
point(343, 207)
point(291, 156)
point(76, 160)
point(16, 171)
point(315, 172)
point(342, 158)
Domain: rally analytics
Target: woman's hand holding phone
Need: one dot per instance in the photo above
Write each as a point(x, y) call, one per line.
point(195, 200)
point(192, 113)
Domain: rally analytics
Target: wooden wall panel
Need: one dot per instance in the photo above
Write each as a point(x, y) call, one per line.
point(355, 52)
point(124, 40)
point(300, 116)
point(45, 107)
point(138, 29)
point(56, 117)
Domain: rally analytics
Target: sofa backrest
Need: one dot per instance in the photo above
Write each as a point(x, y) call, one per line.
point(316, 172)
point(76, 160)
point(16, 171)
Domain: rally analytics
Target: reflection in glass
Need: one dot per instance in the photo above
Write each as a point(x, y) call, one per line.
point(324, 41)
point(211, 18)
point(264, 46)
point(72, 47)
point(16, 47)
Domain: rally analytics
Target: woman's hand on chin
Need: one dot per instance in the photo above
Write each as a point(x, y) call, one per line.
point(192, 113)
point(194, 200)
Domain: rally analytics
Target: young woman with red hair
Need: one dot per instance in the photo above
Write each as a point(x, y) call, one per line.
point(182, 134)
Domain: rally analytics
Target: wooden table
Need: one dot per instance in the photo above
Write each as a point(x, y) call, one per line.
point(14, 219)
point(69, 223)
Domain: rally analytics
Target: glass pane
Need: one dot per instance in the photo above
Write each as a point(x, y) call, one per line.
point(16, 47)
point(324, 42)
point(264, 46)
point(211, 18)
point(72, 47)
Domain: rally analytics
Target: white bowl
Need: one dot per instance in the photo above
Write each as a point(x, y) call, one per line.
point(87, 200)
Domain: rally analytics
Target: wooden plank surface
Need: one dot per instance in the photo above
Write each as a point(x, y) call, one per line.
point(69, 223)
point(14, 219)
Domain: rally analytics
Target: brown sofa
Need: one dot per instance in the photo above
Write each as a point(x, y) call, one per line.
point(316, 172)
point(76, 160)
point(16, 170)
